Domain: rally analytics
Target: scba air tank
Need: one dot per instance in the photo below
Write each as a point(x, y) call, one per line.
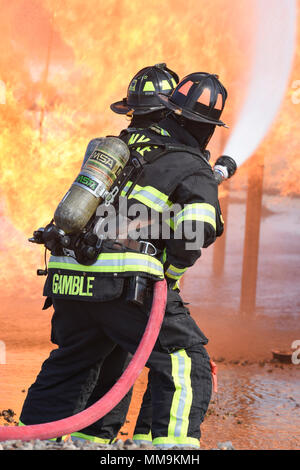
point(91, 185)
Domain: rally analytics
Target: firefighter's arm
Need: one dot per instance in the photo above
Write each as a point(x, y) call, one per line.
point(196, 223)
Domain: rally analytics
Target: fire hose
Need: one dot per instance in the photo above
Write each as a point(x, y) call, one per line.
point(113, 396)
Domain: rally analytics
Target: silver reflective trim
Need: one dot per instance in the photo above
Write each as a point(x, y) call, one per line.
point(114, 263)
point(183, 394)
point(147, 195)
point(174, 273)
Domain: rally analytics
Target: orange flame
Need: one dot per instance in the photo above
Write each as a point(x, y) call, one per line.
point(64, 63)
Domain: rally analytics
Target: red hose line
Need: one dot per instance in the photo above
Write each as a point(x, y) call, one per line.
point(110, 399)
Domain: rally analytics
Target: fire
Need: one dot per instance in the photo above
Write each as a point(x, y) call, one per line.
point(63, 63)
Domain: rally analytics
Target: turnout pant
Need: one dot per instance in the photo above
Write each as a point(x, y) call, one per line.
point(87, 333)
point(142, 431)
point(106, 429)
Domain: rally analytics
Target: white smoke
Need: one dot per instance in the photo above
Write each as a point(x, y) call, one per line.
point(274, 51)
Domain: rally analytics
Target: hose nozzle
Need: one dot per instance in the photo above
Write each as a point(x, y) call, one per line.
point(225, 167)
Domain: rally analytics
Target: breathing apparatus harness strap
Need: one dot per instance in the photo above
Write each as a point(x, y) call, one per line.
point(88, 245)
point(85, 246)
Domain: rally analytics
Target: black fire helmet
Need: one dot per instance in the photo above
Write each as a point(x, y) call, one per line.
point(198, 97)
point(142, 91)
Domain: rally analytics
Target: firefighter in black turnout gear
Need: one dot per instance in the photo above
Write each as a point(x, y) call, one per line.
point(90, 322)
point(144, 108)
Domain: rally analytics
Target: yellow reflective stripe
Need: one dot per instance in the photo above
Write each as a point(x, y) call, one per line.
point(164, 256)
point(174, 82)
point(199, 205)
point(172, 276)
point(160, 130)
point(87, 437)
point(148, 86)
point(143, 437)
point(198, 208)
point(165, 133)
point(145, 200)
point(126, 188)
point(177, 270)
point(176, 285)
point(175, 273)
point(199, 218)
point(151, 197)
point(176, 396)
point(182, 398)
point(189, 395)
point(178, 441)
point(202, 212)
point(111, 262)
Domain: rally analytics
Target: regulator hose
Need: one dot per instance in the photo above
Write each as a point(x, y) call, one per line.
point(113, 396)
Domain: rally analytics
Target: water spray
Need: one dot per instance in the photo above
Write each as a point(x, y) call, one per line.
point(274, 51)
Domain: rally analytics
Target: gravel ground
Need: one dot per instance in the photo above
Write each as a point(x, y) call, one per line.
point(8, 417)
point(79, 445)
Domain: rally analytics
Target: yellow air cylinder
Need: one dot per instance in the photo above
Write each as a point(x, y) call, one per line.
point(91, 185)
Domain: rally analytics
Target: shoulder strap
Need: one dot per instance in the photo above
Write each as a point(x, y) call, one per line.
point(162, 145)
point(160, 149)
point(185, 148)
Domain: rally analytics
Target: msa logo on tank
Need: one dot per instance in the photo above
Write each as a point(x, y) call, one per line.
point(102, 159)
point(87, 181)
point(106, 167)
point(72, 285)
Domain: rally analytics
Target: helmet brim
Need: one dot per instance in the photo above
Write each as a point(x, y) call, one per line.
point(165, 100)
point(120, 107)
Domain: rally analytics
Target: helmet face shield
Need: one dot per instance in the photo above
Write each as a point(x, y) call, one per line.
point(199, 97)
point(142, 90)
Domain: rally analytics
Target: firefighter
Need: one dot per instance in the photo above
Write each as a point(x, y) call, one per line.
point(143, 107)
point(175, 173)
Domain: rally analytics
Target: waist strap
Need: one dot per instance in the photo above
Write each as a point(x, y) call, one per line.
point(119, 262)
point(139, 246)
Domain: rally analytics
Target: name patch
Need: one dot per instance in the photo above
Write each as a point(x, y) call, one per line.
point(72, 285)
